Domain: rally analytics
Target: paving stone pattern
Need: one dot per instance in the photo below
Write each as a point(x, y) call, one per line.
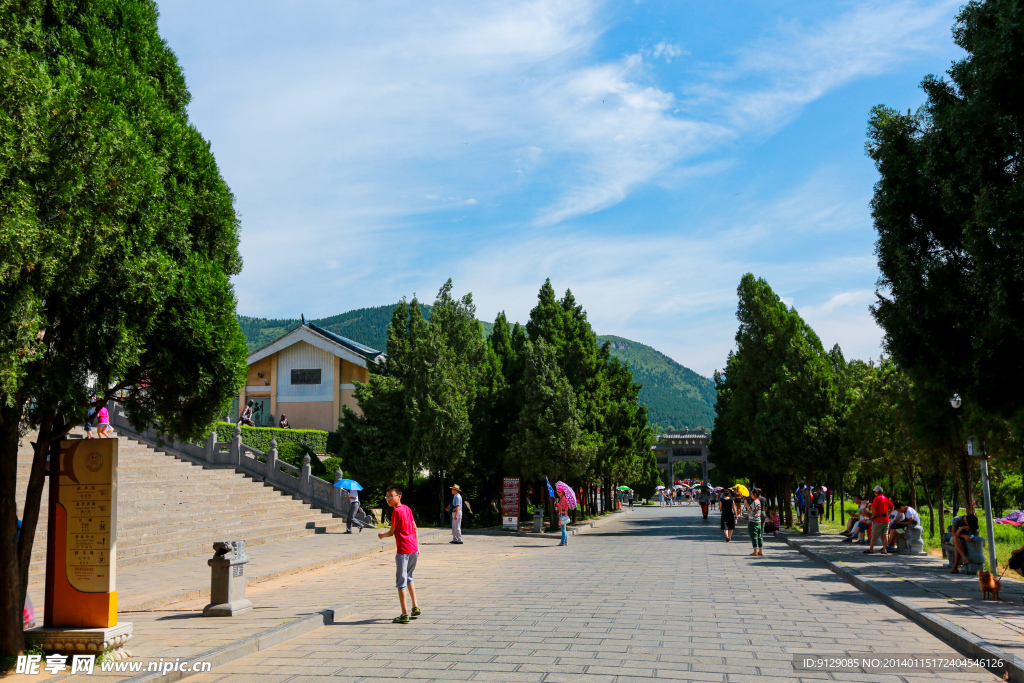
point(927, 581)
point(653, 594)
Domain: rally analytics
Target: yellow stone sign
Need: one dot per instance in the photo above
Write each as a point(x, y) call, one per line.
point(80, 577)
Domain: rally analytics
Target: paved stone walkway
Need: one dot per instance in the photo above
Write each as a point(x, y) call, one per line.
point(654, 594)
point(154, 586)
point(927, 581)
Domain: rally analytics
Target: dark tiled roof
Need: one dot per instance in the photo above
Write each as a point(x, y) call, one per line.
point(366, 352)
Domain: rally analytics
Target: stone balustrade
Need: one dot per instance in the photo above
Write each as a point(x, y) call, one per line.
point(266, 467)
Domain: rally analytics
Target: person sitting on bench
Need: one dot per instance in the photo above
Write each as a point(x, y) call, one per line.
point(964, 529)
point(908, 518)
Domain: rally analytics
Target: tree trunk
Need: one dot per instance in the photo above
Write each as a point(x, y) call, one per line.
point(942, 505)
point(931, 508)
point(968, 485)
point(12, 639)
point(913, 487)
point(440, 497)
point(956, 491)
point(842, 503)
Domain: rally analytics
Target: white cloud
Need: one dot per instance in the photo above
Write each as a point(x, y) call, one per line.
point(796, 65)
point(388, 130)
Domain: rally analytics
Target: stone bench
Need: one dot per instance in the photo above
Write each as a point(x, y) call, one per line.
point(911, 541)
point(975, 553)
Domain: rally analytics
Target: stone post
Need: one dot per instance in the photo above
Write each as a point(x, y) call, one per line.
point(305, 478)
point(336, 499)
point(272, 461)
point(812, 522)
point(210, 448)
point(915, 540)
point(235, 450)
point(227, 580)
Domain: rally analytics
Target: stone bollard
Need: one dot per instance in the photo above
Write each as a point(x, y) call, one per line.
point(812, 522)
point(306, 477)
point(227, 580)
point(976, 555)
point(915, 540)
point(538, 520)
point(272, 467)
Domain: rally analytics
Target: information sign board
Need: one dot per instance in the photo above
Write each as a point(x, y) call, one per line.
point(80, 587)
point(510, 503)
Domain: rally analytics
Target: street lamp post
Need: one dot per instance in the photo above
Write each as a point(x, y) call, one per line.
point(978, 451)
point(989, 526)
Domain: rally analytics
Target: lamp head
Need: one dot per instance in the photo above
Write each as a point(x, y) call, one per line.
point(955, 401)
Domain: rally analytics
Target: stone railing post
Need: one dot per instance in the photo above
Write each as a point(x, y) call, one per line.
point(235, 450)
point(336, 497)
point(305, 478)
point(210, 448)
point(272, 461)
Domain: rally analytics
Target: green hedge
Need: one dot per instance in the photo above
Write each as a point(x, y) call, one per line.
point(294, 453)
point(259, 437)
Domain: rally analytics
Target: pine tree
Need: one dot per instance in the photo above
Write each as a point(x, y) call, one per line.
point(118, 239)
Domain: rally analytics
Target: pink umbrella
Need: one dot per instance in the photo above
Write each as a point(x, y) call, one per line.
point(570, 497)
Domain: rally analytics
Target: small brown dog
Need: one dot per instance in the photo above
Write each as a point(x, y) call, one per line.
point(989, 585)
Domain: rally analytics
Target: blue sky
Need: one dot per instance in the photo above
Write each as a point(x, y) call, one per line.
point(643, 154)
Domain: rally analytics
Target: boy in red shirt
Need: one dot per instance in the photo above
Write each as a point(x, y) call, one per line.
point(407, 551)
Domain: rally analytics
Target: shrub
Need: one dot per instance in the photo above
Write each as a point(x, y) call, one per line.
point(260, 437)
point(330, 465)
point(293, 453)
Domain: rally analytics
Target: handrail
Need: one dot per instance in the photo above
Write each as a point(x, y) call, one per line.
point(213, 454)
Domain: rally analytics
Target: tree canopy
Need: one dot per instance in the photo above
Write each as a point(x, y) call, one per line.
point(949, 211)
point(118, 237)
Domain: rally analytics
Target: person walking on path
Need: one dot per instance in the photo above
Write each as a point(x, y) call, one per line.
point(880, 509)
point(456, 510)
point(89, 416)
point(754, 525)
point(705, 500)
point(562, 509)
point(629, 497)
point(407, 551)
point(728, 516)
point(353, 507)
point(661, 498)
point(103, 429)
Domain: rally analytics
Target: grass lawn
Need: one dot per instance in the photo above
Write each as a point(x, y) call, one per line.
point(1008, 537)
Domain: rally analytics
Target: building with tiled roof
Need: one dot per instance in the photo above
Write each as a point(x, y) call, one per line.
point(308, 374)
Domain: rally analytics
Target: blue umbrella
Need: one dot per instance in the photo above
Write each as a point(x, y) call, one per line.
point(348, 484)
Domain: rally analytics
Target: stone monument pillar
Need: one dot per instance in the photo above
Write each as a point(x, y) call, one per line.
point(227, 580)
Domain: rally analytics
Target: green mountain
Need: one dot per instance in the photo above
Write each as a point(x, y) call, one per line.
point(675, 396)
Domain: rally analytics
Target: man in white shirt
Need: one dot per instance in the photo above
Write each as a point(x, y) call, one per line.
point(456, 510)
point(905, 517)
point(353, 507)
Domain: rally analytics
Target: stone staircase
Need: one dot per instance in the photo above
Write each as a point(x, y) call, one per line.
point(169, 508)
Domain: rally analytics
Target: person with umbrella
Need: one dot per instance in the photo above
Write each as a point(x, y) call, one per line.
point(456, 510)
point(705, 500)
point(351, 489)
point(754, 526)
point(566, 500)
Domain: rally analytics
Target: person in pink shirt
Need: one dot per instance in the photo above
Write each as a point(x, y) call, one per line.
point(407, 552)
point(103, 429)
